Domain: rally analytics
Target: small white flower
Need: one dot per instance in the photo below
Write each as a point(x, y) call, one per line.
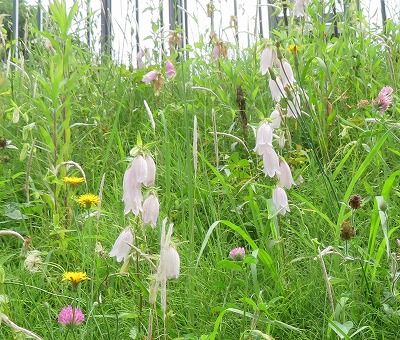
point(168, 267)
point(263, 138)
point(171, 263)
point(132, 194)
point(139, 168)
point(286, 73)
point(293, 107)
point(276, 119)
point(281, 140)
point(276, 88)
point(268, 57)
point(151, 171)
point(122, 245)
point(33, 261)
point(151, 209)
point(285, 175)
point(280, 201)
point(270, 162)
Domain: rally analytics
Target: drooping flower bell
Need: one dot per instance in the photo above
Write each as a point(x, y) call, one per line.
point(150, 77)
point(122, 245)
point(285, 175)
point(276, 119)
point(168, 267)
point(277, 89)
point(141, 171)
point(170, 71)
point(268, 57)
point(270, 162)
point(293, 106)
point(263, 138)
point(286, 73)
point(151, 210)
point(280, 201)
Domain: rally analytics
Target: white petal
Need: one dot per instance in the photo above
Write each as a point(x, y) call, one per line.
point(139, 169)
point(151, 208)
point(293, 107)
point(132, 195)
point(151, 172)
point(171, 263)
point(271, 162)
point(286, 73)
point(285, 175)
point(268, 56)
point(122, 245)
point(280, 201)
point(276, 88)
point(276, 119)
point(263, 138)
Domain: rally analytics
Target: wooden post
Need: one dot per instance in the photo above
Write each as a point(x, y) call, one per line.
point(106, 41)
point(15, 25)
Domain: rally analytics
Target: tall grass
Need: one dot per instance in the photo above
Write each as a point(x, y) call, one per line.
point(72, 108)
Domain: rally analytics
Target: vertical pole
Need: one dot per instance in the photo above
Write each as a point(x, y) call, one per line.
point(335, 25)
point(383, 11)
point(260, 18)
point(161, 15)
point(172, 16)
point(137, 26)
point(40, 15)
point(15, 25)
point(212, 16)
point(271, 17)
point(235, 14)
point(185, 8)
point(88, 23)
point(106, 27)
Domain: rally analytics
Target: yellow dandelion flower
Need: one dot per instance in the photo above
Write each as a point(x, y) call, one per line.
point(88, 200)
point(75, 277)
point(73, 180)
point(293, 48)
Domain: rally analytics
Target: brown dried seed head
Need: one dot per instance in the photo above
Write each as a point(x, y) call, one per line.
point(3, 142)
point(347, 231)
point(355, 202)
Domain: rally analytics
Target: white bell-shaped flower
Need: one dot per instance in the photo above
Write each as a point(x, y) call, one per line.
point(285, 175)
point(286, 73)
point(276, 119)
point(132, 194)
point(270, 162)
point(151, 209)
point(263, 138)
point(151, 171)
point(293, 107)
point(168, 267)
point(122, 245)
point(171, 262)
point(139, 169)
point(268, 57)
point(280, 201)
point(276, 88)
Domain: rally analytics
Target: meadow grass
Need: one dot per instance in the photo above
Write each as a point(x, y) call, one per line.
point(72, 108)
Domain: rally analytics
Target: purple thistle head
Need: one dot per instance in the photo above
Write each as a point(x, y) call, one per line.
point(237, 254)
point(384, 99)
point(70, 316)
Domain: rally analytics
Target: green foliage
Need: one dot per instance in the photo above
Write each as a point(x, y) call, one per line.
point(65, 113)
